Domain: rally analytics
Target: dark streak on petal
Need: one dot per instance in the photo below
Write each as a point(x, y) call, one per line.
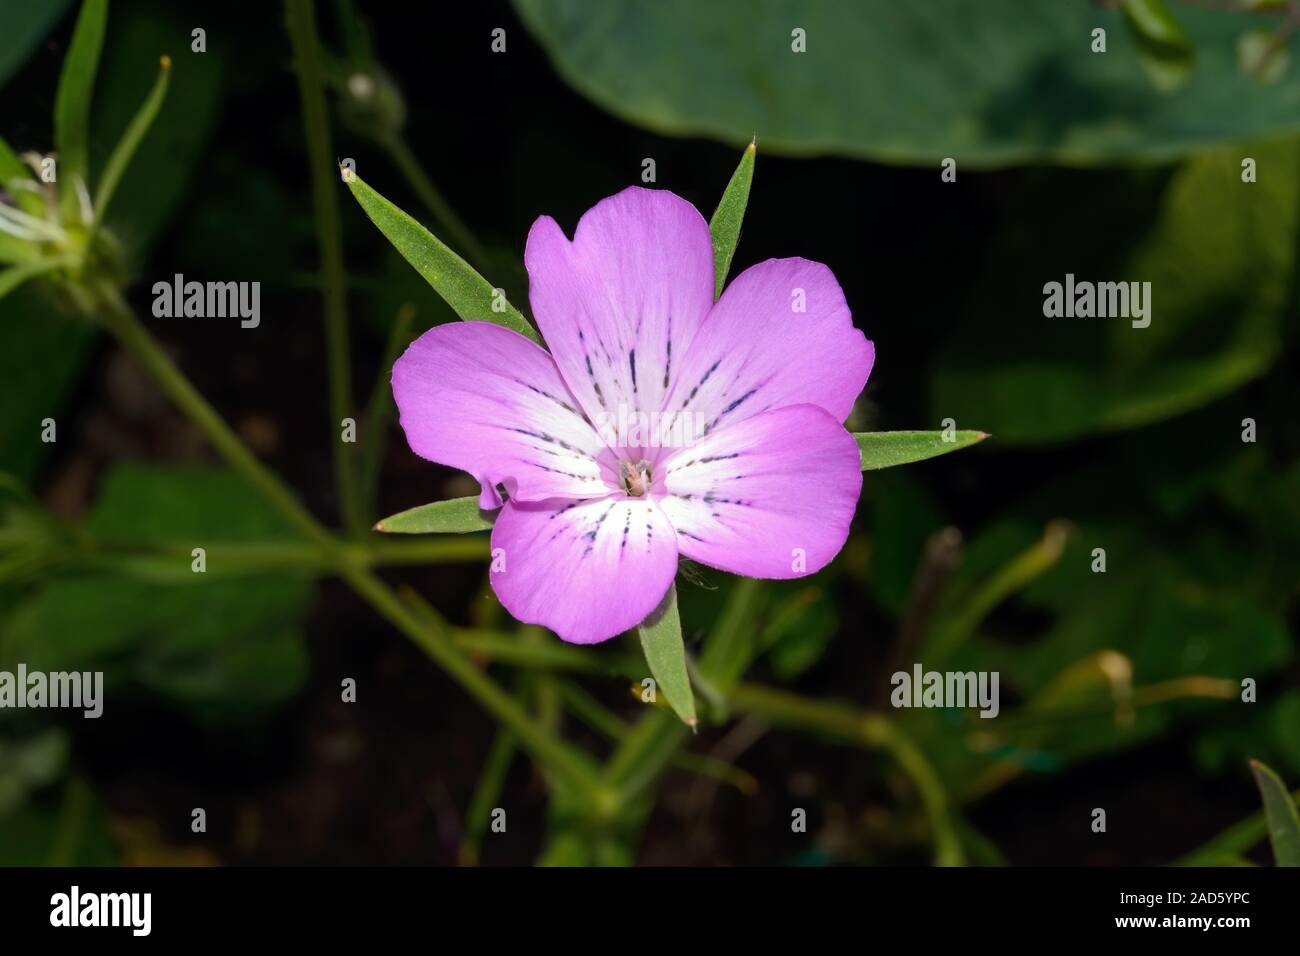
point(712, 368)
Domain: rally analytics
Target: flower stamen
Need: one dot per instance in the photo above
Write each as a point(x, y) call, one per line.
point(635, 479)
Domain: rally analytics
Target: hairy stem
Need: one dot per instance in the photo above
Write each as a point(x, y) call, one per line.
point(329, 233)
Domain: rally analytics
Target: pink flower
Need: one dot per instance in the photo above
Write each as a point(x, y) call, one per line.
point(659, 424)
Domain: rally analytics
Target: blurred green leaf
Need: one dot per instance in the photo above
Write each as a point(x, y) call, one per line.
point(661, 639)
point(1280, 811)
point(41, 353)
point(218, 648)
point(993, 83)
point(452, 277)
point(1264, 730)
point(887, 449)
point(1163, 45)
point(724, 227)
point(159, 175)
point(142, 505)
point(28, 763)
point(800, 630)
point(72, 104)
point(903, 516)
point(456, 516)
point(71, 833)
point(23, 24)
point(15, 178)
point(1219, 254)
point(13, 277)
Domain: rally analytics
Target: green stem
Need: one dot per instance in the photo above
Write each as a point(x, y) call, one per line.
point(430, 633)
point(864, 729)
point(172, 561)
point(490, 784)
point(122, 322)
point(320, 161)
point(1013, 577)
point(426, 628)
point(654, 740)
point(607, 723)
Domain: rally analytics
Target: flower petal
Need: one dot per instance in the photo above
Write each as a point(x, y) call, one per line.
point(588, 570)
point(757, 351)
point(620, 303)
point(768, 497)
point(482, 398)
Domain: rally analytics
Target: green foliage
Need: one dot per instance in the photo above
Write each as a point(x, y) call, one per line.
point(1218, 254)
point(219, 648)
point(1165, 49)
point(158, 179)
point(993, 83)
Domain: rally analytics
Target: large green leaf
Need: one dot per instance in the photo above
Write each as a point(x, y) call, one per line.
point(1218, 254)
point(990, 83)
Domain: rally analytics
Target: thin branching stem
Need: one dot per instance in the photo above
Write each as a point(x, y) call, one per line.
point(329, 232)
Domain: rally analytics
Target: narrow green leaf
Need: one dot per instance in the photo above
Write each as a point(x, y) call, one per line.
point(886, 449)
point(724, 227)
point(12, 168)
point(72, 103)
point(125, 149)
point(452, 277)
point(456, 516)
point(661, 639)
point(1280, 811)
